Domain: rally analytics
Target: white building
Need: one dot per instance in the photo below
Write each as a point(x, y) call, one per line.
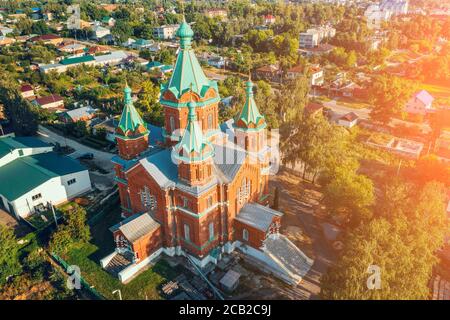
point(165, 32)
point(309, 39)
point(420, 103)
point(99, 31)
point(32, 176)
point(376, 14)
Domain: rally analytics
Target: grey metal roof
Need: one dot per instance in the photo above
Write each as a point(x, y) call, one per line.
point(138, 227)
point(257, 216)
point(80, 112)
point(229, 159)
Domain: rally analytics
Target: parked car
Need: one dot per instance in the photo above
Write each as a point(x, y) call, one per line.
point(86, 156)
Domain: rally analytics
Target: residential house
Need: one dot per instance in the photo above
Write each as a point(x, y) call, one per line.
point(313, 109)
point(348, 120)
point(51, 102)
point(217, 62)
point(269, 19)
point(33, 176)
point(48, 39)
point(79, 114)
point(128, 43)
point(95, 50)
point(4, 30)
point(269, 72)
point(141, 44)
point(322, 48)
point(109, 21)
point(216, 12)
point(5, 41)
point(317, 77)
point(420, 103)
point(165, 32)
point(99, 32)
point(152, 65)
point(73, 48)
point(27, 92)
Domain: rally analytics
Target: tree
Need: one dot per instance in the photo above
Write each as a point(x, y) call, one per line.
point(40, 27)
point(430, 168)
point(351, 195)
point(73, 230)
point(9, 254)
point(402, 241)
point(389, 95)
point(19, 111)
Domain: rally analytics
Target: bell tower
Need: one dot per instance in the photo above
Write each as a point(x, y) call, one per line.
point(194, 152)
point(131, 133)
point(250, 124)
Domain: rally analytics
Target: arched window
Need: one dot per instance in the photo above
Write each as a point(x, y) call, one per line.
point(148, 200)
point(210, 121)
point(172, 124)
point(244, 190)
point(245, 234)
point(187, 232)
point(211, 230)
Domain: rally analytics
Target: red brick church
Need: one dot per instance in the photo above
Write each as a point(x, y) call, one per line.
point(203, 192)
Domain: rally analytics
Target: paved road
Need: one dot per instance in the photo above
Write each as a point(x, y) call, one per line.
point(101, 159)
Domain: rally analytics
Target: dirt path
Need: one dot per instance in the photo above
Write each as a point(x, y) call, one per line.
point(298, 201)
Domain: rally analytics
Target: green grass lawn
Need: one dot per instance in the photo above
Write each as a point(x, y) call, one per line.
point(145, 286)
point(87, 257)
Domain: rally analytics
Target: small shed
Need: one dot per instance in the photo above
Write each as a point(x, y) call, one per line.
point(230, 280)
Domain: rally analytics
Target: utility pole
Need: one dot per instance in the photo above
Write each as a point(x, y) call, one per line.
point(54, 214)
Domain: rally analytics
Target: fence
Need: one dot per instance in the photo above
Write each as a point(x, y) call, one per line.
point(83, 282)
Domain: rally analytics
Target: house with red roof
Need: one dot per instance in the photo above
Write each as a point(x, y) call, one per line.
point(48, 39)
point(27, 92)
point(270, 72)
point(269, 19)
point(52, 102)
point(420, 103)
point(348, 120)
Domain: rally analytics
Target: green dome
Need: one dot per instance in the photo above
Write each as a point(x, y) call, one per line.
point(185, 31)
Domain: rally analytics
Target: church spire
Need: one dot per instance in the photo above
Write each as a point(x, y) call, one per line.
point(130, 123)
point(193, 146)
point(131, 133)
point(250, 117)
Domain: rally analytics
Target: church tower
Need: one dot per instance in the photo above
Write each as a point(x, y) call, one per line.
point(194, 152)
point(131, 133)
point(250, 124)
point(189, 83)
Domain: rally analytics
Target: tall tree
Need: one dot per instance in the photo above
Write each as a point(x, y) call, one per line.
point(9, 254)
point(389, 95)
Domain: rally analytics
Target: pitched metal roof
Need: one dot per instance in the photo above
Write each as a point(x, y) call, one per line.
point(49, 99)
point(8, 144)
point(130, 120)
point(257, 216)
point(193, 146)
point(228, 159)
point(26, 173)
point(250, 114)
point(188, 73)
point(138, 226)
point(76, 60)
point(424, 97)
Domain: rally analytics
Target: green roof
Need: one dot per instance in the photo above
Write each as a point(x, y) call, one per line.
point(193, 139)
point(12, 143)
point(250, 113)
point(25, 174)
point(130, 119)
point(82, 59)
point(187, 73)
